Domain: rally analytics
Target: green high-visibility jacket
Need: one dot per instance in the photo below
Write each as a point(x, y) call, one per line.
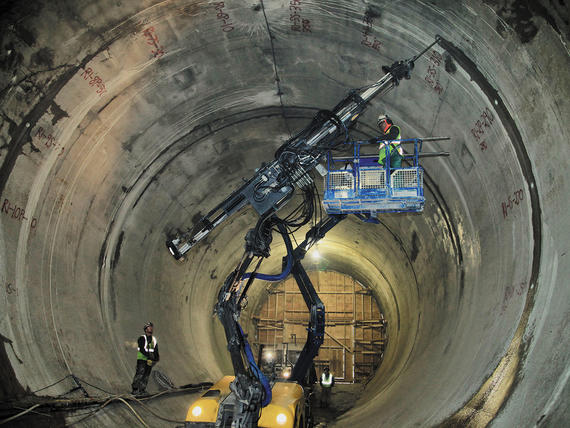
point(392, 134)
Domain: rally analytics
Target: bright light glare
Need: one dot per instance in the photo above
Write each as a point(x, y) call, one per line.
point(268, 355)
point(281, 418)
point(286, 373)
point(316, 254)
point(197, 411)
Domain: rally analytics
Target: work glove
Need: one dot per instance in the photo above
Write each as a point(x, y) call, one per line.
point(149, 362)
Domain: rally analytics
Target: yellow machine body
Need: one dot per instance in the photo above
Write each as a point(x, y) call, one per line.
point(209, 402)
point(286, 409)
point(287, 399)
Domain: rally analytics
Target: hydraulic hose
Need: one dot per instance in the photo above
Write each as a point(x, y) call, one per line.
point(287, 270)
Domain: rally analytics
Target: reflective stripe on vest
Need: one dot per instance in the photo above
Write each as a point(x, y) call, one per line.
point(325, 381)
point(392, 147)
point(147, 348)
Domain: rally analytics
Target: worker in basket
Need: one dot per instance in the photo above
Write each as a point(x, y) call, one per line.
point(389, 132)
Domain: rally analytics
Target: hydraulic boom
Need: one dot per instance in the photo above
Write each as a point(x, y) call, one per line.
point(273, 184)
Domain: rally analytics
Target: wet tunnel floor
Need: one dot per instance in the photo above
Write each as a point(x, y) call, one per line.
point(343, 398)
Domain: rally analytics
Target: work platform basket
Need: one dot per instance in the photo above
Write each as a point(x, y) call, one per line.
point(358, 184)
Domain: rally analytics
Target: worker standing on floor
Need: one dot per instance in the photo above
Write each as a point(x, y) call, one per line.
point(147, 356)
point(389, 132)
point(327, 382)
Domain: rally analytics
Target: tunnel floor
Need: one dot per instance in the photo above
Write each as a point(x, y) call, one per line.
point(343, 398)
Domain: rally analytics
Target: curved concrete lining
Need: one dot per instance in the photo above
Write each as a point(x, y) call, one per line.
point(114, 136)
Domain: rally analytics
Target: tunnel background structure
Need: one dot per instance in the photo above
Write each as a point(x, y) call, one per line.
point(114, 136)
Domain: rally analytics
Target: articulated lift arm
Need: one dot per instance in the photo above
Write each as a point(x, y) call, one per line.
point(316, 329)
point(273, 184)
point(250, 387)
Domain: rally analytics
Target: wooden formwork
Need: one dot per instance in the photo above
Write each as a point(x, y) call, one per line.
point(355, 333)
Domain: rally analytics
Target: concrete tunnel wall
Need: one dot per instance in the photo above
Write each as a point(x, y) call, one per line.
point(475, 294)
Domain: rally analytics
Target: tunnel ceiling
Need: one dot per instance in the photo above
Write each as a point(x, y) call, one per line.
point(123, 122)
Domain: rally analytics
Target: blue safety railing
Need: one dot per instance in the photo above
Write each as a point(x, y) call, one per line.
point(358, 184)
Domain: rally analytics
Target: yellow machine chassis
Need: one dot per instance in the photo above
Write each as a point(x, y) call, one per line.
point(286, 410)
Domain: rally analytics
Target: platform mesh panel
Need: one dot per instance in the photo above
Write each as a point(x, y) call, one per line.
point(406, 178)
point(341, 180)
point(372, 178)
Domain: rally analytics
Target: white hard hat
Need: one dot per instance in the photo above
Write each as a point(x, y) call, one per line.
point(383, 117)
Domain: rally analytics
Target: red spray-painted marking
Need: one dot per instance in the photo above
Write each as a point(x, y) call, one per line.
point(510, 291)
point(298, 23)
point(94, 80)
point(48, 140)
point(513, 201)
point(16, 212)
point(226, 26)
point(486, 119)
point(433, 72)
point(375, 44)
point(152, 39)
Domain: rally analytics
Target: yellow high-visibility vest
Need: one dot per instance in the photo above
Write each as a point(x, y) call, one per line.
point(326, 381)
point(148, 347)
point(392, 147)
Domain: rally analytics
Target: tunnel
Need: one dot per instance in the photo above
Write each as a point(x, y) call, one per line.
point(124, 122)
